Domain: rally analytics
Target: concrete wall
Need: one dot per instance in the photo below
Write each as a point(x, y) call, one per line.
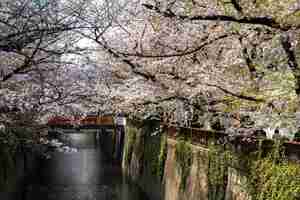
point(111, 142)
point(140, 159)
point(24, 164)
point(197, 181)
point(142, 167)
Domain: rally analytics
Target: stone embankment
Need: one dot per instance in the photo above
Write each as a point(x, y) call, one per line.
point(17, 167)
point(21, 163)
point(191, 164)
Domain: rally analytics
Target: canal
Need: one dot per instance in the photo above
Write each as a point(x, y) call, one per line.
point(83, 174)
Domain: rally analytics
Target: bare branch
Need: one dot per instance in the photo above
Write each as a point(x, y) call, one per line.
point(184, 53)
point(264, 20)
point(240, 96)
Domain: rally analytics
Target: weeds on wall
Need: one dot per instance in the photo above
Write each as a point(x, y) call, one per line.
point(184, 160)
point(131, 133)
point(150, 150)
point(139, 145)
point(271, 176)
point(114, 141)
point(155, 151)
point(162, 157)
point(217, 172)
point(274, 177)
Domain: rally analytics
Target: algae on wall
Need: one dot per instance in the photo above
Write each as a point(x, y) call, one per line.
point(273, 177)
point(149, 149)
point(270, 176)
point(217, 173)
point(131, 133)
point(162, 157)
point(226, 173)
point(145, 152)
point(184, 160)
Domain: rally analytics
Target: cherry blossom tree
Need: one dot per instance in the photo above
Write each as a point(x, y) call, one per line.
point(240, 56)
point(43, 66)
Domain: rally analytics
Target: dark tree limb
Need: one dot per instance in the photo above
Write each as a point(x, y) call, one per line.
point(259, 20)
point(28, 61)
point(240, 96)
point(237, 5)
point(292, 61)
point(248, 60)
point(172, 98)
point(184, 53)
point(134, 66)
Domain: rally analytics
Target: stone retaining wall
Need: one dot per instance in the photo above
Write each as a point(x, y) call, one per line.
point(201, 179)
point(24, 164)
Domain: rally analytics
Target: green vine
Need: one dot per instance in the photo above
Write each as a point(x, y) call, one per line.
point(274, 177)
point(138, 144)
point(270, 176)
point(162, 157)
point(217, 172)
point(129, 146)
point(150, 150)
point(184, 160)
point(155, 151)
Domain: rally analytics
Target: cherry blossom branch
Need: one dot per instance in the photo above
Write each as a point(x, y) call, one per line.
point(259, 20)
point(184, 53)
point(240, 96)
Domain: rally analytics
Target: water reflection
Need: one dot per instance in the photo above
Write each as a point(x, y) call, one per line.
point(81, 175)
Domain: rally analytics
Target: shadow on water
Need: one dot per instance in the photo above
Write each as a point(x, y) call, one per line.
point(82, 175)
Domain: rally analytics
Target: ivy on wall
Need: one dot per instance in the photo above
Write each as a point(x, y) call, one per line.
point(155, 150)
point(184, 160)
point(217, 172)
point(131, 133)
point(270, 176)
point(162, 157)
point(150, 150)
point(273, 177)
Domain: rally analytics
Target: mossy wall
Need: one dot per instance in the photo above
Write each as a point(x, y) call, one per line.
point(17, 166)
point(206, 175)
point(172, 169)
point(144, 157)
point(7, 168)
point(176, 169)
point(185, 171)
point(107, 145)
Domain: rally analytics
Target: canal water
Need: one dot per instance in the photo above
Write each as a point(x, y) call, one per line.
point(81, 175)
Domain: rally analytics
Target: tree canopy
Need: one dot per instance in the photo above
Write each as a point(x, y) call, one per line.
point(190, 61)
